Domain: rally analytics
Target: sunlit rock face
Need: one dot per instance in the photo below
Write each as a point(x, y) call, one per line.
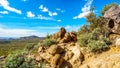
point(112, 17)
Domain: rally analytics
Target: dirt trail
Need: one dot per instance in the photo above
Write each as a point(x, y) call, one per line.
point(108, 59)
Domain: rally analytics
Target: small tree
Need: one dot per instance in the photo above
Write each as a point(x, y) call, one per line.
point(107, 7)
point(48, 42)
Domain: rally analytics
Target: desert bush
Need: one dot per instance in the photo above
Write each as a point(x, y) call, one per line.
point(94, 41)
point(105, 39)
point(48, 36)
point(14, 60)
point(83, 39)
point(29, 63)
point(43, 65)
point(29, 46)
point(95, 34)
point(18, 60)
point(48, 42)
point(96, 46)
point(84, 29)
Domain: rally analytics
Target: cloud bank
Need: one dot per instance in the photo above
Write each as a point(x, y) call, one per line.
point(5, 5)
point(85, 10)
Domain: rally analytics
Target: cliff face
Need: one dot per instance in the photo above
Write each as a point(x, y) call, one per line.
point(113, 19)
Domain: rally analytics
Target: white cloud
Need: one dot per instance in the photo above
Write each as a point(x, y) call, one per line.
point(19, 32)
point(45, 9)
point(85, 10)
point(30, 14)
point(44, 18)
point(55, 14)
point(59, 20)
point(58, 9)
point(52, 14)
point(41, 7)
point(5, 5)
point(3, 12)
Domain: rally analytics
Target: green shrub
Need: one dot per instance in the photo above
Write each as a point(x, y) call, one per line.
point(14, 60)
point(84, 29)
point(43, 65)
point(29, 63)
point(48, 42)
point(106, 40)
point(83, 39)
point(48, 36)
point(18, 60)
point(30, 46)
point(97, 46)
point(95, 34)
point(94, 41)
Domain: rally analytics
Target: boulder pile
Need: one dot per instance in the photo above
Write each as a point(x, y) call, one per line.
point(64, 37)
point(65, 54)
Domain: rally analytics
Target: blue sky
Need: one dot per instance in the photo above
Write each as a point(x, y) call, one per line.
point(40, 17)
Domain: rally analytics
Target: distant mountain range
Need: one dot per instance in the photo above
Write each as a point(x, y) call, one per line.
point(6, 38)
point(33, 37)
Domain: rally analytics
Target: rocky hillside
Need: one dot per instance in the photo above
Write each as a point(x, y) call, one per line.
point(69, 54)
point(95, 45)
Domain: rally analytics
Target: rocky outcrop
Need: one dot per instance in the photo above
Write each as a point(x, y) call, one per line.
point(61, 55)
point(59, 35)
point(64, 37)
point(112, 17)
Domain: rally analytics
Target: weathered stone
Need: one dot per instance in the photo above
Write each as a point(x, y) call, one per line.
point(78, 56)
point(46, 56)
point(55, 59)
point(117, 43)
point(62, 32)
point(113, 19)
point(40, 49)
point(55, 36)
point(73, 36)
point(66, 39)
point(68, 55)
point(55, 49)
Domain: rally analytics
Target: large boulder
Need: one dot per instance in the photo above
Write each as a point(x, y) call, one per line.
point(112, 17)
point(46, 56)
point(62, 32)
point(73, 36)
point(117, 43)
point(55, 59)
point(78, 56)
point(55, 49)
point(66, 39)
point(59, 35)
point(69, 37)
